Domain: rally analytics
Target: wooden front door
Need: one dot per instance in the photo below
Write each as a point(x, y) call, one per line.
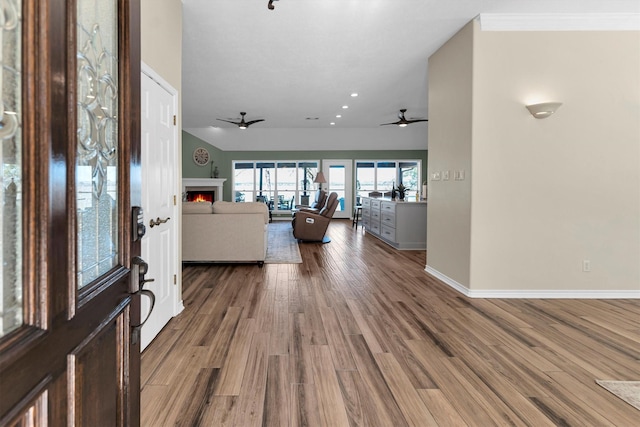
point(70, 158)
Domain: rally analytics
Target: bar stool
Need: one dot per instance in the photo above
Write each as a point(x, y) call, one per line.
point(357, 212)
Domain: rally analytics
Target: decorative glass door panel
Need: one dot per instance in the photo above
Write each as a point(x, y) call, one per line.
point(11, 315)
point(97, 138)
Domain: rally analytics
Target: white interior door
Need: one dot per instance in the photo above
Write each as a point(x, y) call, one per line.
point(160, 187)
point(339, 177)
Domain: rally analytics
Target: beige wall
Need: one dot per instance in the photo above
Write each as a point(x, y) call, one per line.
point(548, 194)
point(161, 43)
point(449, 207)
point(551, 193)
point(161, 24)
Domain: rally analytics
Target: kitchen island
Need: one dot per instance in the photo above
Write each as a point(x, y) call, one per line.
point(401, 224)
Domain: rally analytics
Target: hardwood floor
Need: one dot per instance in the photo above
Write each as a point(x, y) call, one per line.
point(359, 335)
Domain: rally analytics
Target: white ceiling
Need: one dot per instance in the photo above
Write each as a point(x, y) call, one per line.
point(306, 57)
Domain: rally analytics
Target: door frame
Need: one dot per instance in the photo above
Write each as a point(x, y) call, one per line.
point(348, 183)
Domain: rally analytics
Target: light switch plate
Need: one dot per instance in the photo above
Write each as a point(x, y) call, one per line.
point(445, 175)
point(459, 175)
point(435, 176)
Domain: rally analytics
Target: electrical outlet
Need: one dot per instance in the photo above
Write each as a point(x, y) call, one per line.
point(586, 265)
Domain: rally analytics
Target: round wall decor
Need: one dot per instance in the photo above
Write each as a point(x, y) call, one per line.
point(201, 156)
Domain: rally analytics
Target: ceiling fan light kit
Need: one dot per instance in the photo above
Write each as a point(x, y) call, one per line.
point(403, 122)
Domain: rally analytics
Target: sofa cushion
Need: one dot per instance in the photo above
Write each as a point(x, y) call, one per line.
point(196, 208)
point(221, 207)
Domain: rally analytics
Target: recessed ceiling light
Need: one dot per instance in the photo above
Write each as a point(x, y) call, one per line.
point(338, 115)
point(354, 94)
point(344, 107)
point(312, 118)
point(332, 123)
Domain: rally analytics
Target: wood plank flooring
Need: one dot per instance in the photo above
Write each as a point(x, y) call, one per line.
point(359, 335)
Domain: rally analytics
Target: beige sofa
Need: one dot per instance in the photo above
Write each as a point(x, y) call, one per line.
point(224, 232)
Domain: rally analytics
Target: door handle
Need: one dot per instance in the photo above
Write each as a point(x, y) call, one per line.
point(139, 269)
point(158, 221)
point(137, 280)
point(136, 329)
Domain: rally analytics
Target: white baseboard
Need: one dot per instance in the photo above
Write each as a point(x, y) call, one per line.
point(531, 293)
point(178, 309)
point(448, 281)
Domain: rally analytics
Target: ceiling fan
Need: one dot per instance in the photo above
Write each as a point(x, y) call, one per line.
point(270, 5)
point(404, 122)
point(242, 124)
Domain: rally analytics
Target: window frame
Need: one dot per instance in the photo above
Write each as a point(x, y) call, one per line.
point(397, 176)
point(273, 194)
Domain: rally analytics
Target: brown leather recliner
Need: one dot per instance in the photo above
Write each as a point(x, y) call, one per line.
point(312, 226)
point(318, 203)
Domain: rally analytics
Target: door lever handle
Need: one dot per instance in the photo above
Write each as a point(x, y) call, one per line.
point(158, 221)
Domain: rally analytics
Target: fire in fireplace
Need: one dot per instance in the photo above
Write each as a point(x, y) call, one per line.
point(201, 196)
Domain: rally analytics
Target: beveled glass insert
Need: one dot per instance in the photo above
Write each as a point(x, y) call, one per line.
point(97, 136)
point(11, 316)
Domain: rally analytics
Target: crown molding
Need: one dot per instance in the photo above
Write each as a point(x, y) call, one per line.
point(559, 22)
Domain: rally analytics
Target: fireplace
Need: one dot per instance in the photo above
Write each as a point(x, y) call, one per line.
point(209, 188)
point(201, 196)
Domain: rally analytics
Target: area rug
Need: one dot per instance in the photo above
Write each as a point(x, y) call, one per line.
point(629, 391)
point(282, 248)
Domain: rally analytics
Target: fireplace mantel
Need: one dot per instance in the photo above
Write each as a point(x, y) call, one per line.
point(205, 184)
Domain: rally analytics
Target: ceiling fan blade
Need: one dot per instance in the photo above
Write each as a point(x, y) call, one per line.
point(254, 121)
point(228, 121)
point(416, 120)
point(394, 123)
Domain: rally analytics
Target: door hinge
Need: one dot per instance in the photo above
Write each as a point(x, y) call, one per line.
point(174, 120)
point(175, 279)
point(174, 200)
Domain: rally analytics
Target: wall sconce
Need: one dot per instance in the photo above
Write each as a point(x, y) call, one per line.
point(543, 110)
